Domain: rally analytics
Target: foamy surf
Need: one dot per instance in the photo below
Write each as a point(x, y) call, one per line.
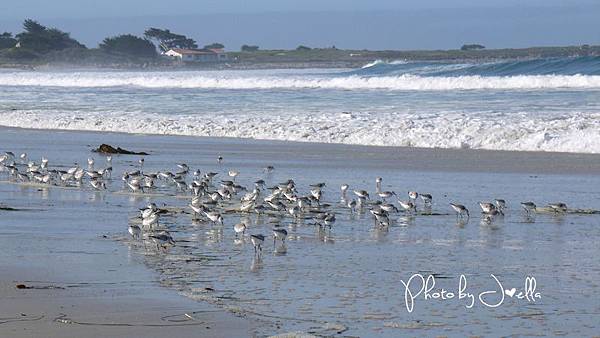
point(579, 133)
point(222, 80)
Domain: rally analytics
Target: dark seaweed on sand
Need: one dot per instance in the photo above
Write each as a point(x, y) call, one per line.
point(108, 149)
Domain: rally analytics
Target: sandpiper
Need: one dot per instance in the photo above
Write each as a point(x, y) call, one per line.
point(487, 207)
point(378, 181)
point(427, 198)
point(386, 194)
point(233, 174)
point(362, 194)
point(135, 231)
point(239, 228)
point(413, 195)
point(529, 207)
point(257, 241)
point(407, 205)
point(344, 189)
point(558, 207)
point(460, 209)
point(279, 234)
point(500, 204)
point(214, 217)
point(162, 239)
point(352, 205)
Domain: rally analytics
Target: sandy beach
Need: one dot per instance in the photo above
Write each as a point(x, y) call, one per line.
point(88, 278)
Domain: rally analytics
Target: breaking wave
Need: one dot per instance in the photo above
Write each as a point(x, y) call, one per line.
point(587, 65)
point(204, 80)
point(579, 132)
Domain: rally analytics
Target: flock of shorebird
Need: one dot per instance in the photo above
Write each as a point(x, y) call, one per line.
point(210, 200)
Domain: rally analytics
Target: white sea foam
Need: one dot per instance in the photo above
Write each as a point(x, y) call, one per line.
point(579, 132)
point(222, 80)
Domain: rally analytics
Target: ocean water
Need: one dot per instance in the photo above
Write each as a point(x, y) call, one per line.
point(534, 104)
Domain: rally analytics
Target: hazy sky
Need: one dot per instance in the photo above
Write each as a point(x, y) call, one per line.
point(373, 24)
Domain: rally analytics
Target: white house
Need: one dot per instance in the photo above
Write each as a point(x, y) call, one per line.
point(197, 55)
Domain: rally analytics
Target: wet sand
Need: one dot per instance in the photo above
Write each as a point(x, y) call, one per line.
point(58, 240)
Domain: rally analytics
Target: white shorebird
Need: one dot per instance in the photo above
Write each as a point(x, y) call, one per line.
point(529, 207)
point(90, 162)
point(214, 217)
point(220, 159)
point(135, 185)
point(148, 210)
point(294, 211)
point(196, 210)
point(239, 228)
point(279, 234)
point(407, 205)
point(362, 194)
point(558, 207)
point(500, 204)
point(141, 162)
point(388, 207)
point(151, 221)
point(233, 174)
point(378, 181)
point(488, 217)
point(487, 207)
point(427, 198)
point(98, 185)
point(460, 210)
point(257, 241)
point(352, 205)
point(413, 195)
point(386, 194)
point(344, 189)
point(135, 231)
point(162, 239)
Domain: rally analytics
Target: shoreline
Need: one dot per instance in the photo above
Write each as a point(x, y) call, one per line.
point(445, 159)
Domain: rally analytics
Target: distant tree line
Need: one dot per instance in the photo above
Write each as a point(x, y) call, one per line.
point(248, 48)
point(166, 40)
point(472, 47)
point(7, 40)
point(37, 41)
point(129, 44)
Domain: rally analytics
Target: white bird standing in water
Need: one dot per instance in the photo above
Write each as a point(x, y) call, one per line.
point(135, 231)
point(233, 174)
point(239, 228)
point(529, 207)
point(378, 181)
point(413, 195)
point(558, 207)
point(279, 234)
point(460, 209)
point(427, 198)
point(344, 189)
point(257, 241)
